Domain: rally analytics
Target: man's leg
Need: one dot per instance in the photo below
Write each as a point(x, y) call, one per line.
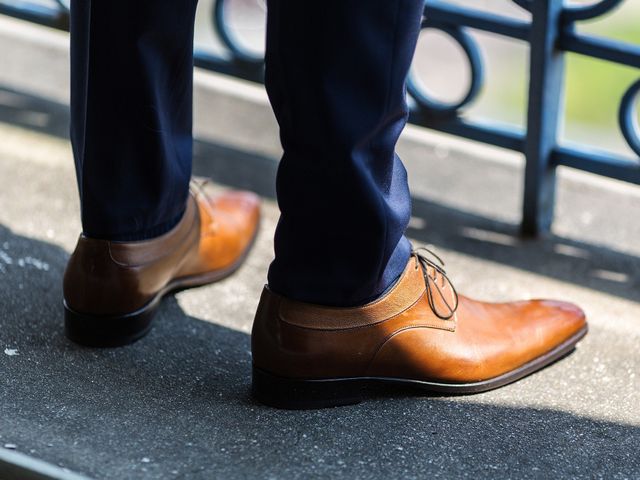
point(144, 235)
point(131, 98)
point(335, 76)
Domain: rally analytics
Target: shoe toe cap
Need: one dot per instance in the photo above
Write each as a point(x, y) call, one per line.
point(556, 322)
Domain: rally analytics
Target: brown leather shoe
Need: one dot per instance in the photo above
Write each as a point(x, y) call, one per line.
point(420, 333)
point(112, 289)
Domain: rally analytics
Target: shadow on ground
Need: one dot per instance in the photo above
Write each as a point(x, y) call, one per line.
point(177, 405)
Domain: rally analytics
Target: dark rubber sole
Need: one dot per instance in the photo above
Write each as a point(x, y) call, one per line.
point(116, 331)
point(297, 394)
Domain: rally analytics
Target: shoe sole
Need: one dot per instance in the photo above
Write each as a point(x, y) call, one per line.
point(295, 394)
point(106, 331)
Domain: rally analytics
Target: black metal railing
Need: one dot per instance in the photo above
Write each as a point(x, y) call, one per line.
point(550, 32)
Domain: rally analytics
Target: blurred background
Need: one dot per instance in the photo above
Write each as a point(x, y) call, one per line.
point(593, 89)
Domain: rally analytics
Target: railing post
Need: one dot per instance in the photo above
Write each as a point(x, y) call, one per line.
point(546, 96)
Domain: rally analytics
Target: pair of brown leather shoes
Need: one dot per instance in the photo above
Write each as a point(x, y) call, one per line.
point(420, 333)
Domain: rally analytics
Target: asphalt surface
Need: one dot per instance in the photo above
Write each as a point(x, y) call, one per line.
point(177, 405)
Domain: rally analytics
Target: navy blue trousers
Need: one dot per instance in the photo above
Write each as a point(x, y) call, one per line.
point(335, 75)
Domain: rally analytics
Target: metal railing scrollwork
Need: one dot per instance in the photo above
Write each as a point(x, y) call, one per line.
point(550, 32)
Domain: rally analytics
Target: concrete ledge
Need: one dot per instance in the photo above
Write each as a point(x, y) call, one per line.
point(228, 111)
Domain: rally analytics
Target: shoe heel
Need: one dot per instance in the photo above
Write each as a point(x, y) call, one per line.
point(107, 331)
point(291, 394)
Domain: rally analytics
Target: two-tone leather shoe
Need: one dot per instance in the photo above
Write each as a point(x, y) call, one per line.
point(112, 289)
point(420, 333)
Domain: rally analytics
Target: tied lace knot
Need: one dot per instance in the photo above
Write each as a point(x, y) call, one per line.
point(429, 262)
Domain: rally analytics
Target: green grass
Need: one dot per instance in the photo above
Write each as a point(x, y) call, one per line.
point(594, 88)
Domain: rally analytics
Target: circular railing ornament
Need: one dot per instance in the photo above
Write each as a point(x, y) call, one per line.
point(573, 13)
point(628, 117)
point(436, 108)
point(222, 28)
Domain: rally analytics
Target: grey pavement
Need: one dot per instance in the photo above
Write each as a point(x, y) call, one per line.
point(176, 404)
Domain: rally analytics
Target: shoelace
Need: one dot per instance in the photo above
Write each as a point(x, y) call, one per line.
point(426, 258)
point(197, 187)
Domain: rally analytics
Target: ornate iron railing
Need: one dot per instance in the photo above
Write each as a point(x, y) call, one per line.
point(549, 32)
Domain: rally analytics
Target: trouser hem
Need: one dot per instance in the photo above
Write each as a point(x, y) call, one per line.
point(146, 234)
